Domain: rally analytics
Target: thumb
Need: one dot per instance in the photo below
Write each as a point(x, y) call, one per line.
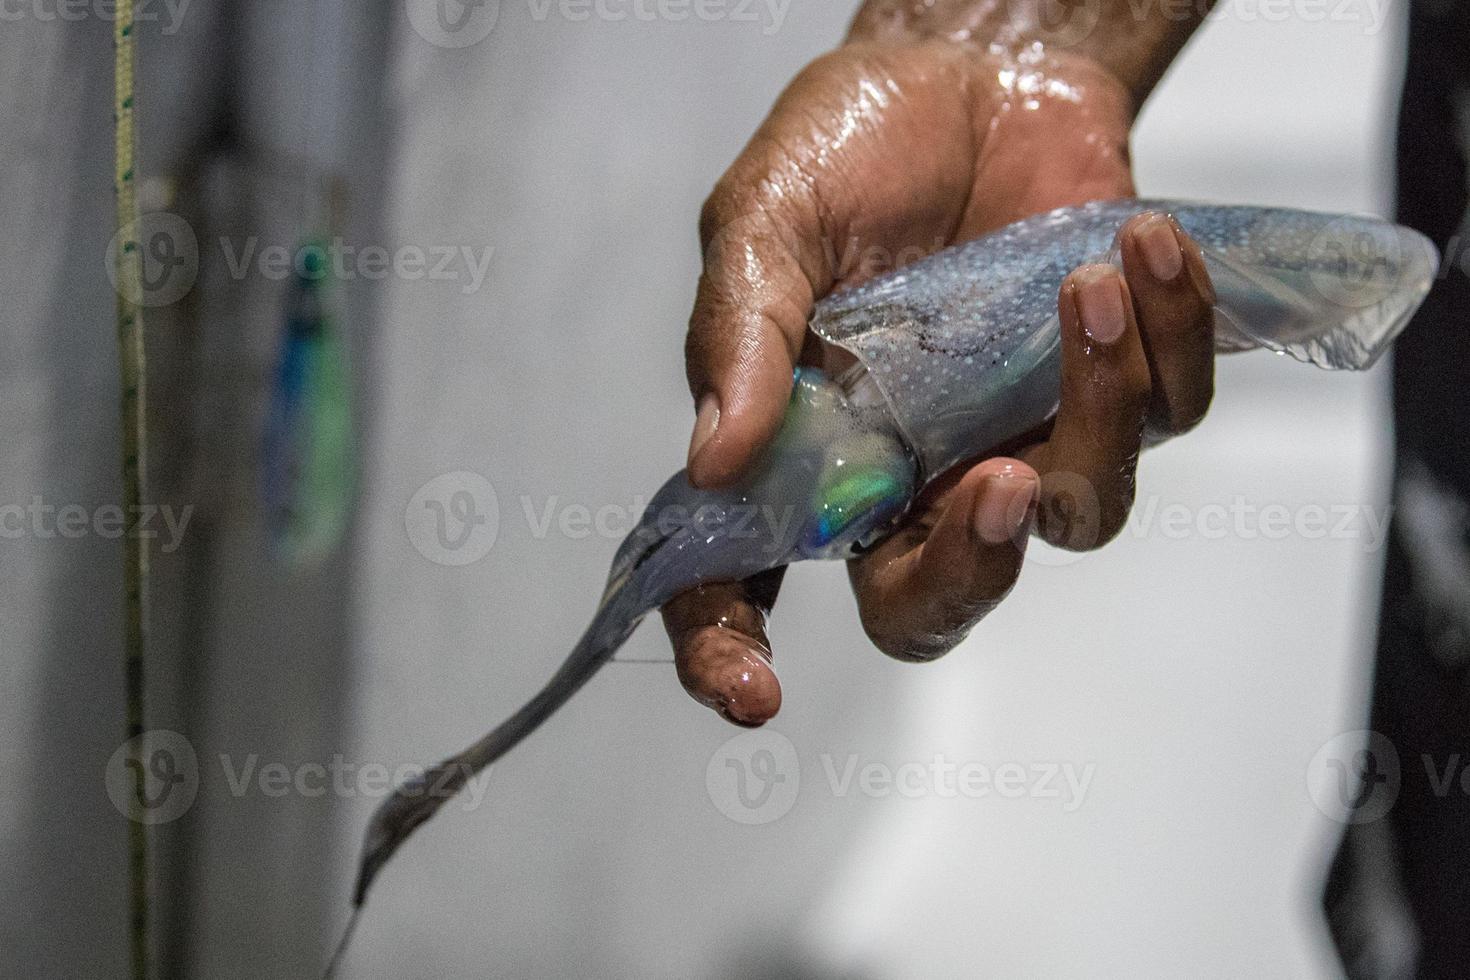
point(747, 328)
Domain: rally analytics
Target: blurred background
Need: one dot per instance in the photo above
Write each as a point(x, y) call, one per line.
point(1157, 705)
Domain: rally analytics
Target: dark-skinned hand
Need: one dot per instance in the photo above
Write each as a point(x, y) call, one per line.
point(874, 155)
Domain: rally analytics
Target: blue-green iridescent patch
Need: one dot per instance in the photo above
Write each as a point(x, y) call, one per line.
point(857, 494)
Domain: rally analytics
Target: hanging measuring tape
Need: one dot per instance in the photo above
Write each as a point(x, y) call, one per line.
point(133, 406)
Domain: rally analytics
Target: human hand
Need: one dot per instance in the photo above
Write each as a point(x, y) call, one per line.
point(874, 155)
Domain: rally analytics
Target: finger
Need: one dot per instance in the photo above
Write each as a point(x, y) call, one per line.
point(922, 590)
point(748, 324)
point(721, 651)
point(1088, 463)
point(1173, 300)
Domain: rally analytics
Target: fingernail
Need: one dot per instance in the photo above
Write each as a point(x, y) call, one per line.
point(1007, 505)
point(705, 424)
point(1100, 303)
point(1155, 237)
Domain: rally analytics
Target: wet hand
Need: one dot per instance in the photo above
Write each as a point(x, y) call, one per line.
point(874, 156)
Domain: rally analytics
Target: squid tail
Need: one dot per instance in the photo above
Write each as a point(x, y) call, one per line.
point(654, 563)
point(420, 797)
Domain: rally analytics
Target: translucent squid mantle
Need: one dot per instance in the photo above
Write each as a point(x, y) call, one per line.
point(957, 353)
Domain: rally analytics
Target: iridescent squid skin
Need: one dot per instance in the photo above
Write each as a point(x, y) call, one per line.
point(866, 499)
point(958, 353)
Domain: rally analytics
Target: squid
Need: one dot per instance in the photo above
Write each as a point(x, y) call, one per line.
point(954, 354)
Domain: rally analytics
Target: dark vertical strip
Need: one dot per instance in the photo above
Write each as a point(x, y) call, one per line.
point(132, 406)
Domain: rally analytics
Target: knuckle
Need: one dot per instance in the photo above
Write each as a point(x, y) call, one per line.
point(1183, 414)
point(1073, 514)
point(1135, 385)
point(1126, 416)
point(878, 632)
point(828, 68)
point(1202, 302)
point(1183, 393)
point(1113, 401)
point(1194, 322)
point(932, 626)
point(1114, 516)
point(906, 646)
point(720, 208)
